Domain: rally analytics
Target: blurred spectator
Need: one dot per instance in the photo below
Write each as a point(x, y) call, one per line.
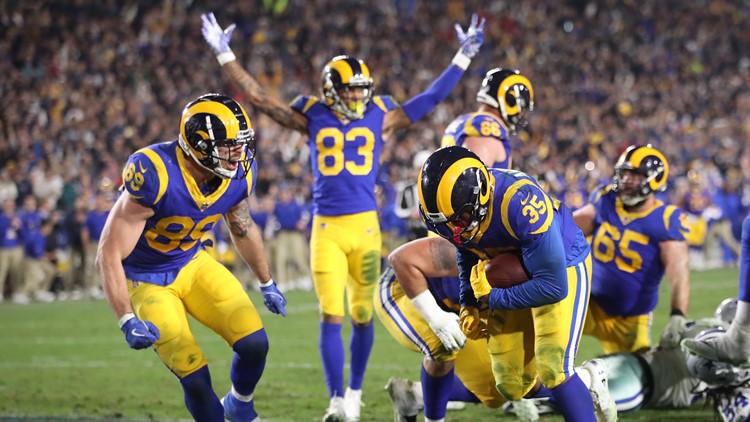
point(88, 82)
point(292, 253)
point(11, 249)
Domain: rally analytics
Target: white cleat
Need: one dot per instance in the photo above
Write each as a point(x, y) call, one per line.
point(352, 404)
point(719, 348)
point(406, 396)
point(525, 409)
point(605, 408)
point(335, 411)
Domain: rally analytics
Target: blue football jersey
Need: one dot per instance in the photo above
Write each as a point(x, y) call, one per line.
point(157, 178)
point(524, 218)
point(627, 266)
point(478, 124)
point(445, 290)
point(344, 158)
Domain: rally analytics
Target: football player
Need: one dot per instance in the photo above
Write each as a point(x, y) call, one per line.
point(346, 129)
point(533, 328)
point(504, 97)
point(637, 239)
point(418, 303)
point(155, 270)
point(734, 347)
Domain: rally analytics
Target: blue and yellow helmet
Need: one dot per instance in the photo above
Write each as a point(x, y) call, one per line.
point(455, 193)
point(212, 121)
point(340, 74)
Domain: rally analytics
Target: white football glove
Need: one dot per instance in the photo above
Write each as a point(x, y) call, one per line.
point(448, 331)
point(217, 38)
point(470, 41)
point(672, 334)
point(443, 324)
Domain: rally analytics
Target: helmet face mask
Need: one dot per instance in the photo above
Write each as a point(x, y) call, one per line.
point(217, 134)
point(347, 86)
point(455, 194)
point(644, 160)
point(510, 93)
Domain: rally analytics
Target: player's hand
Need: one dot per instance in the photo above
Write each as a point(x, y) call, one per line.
point(273, 299)
point(216, 37)
point(448, 331)
point(471, 324)
point(140, 334)
point(473, 38)
point(479, 283)
point(672, 334)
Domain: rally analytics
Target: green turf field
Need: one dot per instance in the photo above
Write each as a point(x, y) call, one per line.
point(68, 360)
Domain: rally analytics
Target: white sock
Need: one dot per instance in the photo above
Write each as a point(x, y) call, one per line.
point(241, 397)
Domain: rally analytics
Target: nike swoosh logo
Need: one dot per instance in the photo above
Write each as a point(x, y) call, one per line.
point(143, 170)
point(525, 200)
point(137, 334)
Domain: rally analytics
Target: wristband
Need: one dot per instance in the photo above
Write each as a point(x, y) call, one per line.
point(125, 318)
point(267, 283)
point(676, 312)
point(426, 305)
point(226, 57)
point(461, 60)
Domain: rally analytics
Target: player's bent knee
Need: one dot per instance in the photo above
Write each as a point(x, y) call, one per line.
point(253, 346)
point(361, 314)
point(493, 403)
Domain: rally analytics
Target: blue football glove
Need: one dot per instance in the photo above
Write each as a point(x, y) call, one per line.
point(473, 38)
point(273, 299)
point(140, 334)
point(217, 38)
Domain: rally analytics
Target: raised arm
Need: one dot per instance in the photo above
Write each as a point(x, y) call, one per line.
point(218, 39)
point(415, 108)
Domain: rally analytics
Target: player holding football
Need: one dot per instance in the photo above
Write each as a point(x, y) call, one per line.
point(418, 302)
point(155, 270)
point(346, 130)
point(505, 97)
point(484, 212)
point(637, 239)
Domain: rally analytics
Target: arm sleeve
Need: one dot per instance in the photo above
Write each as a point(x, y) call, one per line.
point(545, 260)
point(142, 178)
point(466, 261)
point(532, 220)
point(415, 108)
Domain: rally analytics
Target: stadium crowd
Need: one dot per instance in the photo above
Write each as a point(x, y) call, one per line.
point(86, 83)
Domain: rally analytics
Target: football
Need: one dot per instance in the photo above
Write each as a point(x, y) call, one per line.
point(506, 270)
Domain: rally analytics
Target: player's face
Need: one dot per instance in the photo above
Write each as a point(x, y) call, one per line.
point(230, 156)
point(631, 182)
point(353, 95)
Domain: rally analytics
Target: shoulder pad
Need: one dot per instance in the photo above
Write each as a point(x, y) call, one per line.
point(385, 103)
point(485, 125)
point(526, 210)
point(145, 176)
point(303, 103)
